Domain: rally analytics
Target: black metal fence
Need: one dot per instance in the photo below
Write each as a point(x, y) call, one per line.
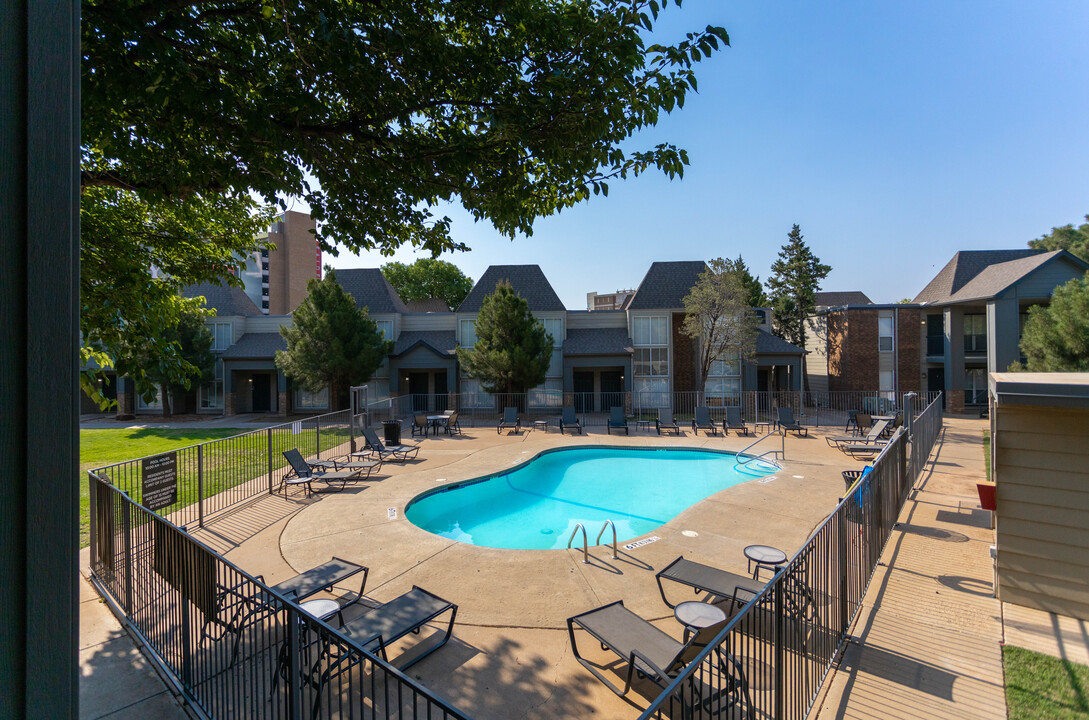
point(218, 474)
point(772, 657)
point(813, 409)
point(232, 646)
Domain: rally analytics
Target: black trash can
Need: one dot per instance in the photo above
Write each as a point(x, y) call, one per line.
point(391, 432)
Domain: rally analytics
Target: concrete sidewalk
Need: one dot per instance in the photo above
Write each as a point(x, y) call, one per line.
point(928, 636)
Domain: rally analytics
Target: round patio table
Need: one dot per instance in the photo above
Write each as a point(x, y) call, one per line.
point(761, 556)
point(696, 615)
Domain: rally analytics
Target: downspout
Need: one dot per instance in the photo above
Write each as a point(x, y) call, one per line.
point(896, 351)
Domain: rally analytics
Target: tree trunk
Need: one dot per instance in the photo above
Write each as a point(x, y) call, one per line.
point(164, 396)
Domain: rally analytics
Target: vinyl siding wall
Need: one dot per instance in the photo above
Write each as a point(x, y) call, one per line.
point(1041, 466)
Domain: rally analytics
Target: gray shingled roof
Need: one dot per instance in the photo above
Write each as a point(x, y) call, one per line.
point(835, 299)
point(768, 344)
point(666, 283)
point(604, 341)
point(371, 290)
point(529, 281)
point(965, 266)
point(252, 346)
point(442, 342)
point(996, 278)
point(430, 305)
point(226, 299)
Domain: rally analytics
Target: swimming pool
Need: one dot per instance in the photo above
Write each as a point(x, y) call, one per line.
point(538, 504)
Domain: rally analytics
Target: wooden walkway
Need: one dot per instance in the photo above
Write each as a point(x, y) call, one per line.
point(927, 640)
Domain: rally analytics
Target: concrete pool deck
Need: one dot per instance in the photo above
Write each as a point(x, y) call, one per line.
point(510, 655)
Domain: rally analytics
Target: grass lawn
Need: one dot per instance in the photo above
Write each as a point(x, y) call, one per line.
point(987, 452)
point(225, 465)
point(105, 447)
point(1041, 686)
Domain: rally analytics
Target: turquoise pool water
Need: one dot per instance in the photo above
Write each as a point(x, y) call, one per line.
point(537, 505)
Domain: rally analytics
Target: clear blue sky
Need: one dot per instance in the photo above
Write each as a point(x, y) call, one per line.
point(894, 133)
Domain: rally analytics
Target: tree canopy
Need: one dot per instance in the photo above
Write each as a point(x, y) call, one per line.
point(1056, 336)
point(332, 342)
point(196, 117)
point(427, 278)
point(191, 342)
point(1070, 238)
point(793, 285)
point(718, 311)
point(512, 350)
point(374, 113)
point(754, 290)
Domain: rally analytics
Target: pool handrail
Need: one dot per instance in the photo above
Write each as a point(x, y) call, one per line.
point(608, 523)
point(781, 452)
point(585, 542)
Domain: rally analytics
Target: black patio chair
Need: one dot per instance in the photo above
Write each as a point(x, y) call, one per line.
point(617, 421)
point(569, 419)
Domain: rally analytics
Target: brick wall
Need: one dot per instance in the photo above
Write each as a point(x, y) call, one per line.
point(909, 369)
point(684, 357)
point(858, 361)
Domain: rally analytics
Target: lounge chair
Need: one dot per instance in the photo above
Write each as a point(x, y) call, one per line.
point(665, 421)
point(650, 652)
point(450, 425)
point(301, 473)
point(874, 436)
point(384, 625)
point(374, 446)
point(570, 420)
point(510, 421)
point(703, 421)
point(617, 420)
point(703, 578)
point(863, 423)
point(733, 420)
point(787, 422)
point(420, 424)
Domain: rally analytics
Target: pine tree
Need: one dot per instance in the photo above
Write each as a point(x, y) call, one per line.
point(513, 350)
point(1056, 336)
point(754, 291)
point(332, 342)
point(796, 278)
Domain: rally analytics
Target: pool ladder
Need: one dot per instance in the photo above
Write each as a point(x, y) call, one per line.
point(585, 543)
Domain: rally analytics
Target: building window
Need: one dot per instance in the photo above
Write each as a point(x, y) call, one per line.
point(155, 404)
point(885, 384)
point(653, 362)
point(554, 327)
point(650, 330)
point(467, 333)
point(473, 396)
point(211, 393)
point(884, 334)
point(547, 395)
point(385, 327)
point(975, 386)
point(723, 385)
point(975, 333)
point(221, 336)
point(306, 400)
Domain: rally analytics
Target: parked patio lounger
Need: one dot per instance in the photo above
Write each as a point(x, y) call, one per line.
point(375, 446)
point(510, 421)
point(873, 436)
point(650, 652)
point(302, 473)
point(617, 420)
point(704, 578)
point(570, 420)
point(787, 422)
point(703, 421)
point(733, 420)
point(665, 421)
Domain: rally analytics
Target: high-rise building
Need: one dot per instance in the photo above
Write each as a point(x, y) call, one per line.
point(276, 279)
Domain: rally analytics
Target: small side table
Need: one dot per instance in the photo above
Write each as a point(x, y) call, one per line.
point(769, 425)
point(695, 615)
point(763, 556)
point(642, 425)
point(323, 609)
point(540, 425)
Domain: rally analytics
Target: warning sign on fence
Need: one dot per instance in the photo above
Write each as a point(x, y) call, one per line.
point(160, 487)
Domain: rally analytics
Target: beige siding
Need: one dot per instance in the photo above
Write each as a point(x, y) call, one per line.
point(816, 362)
point(1041, 466)
point(598, 319)
point(267, 323)
point(424, 322)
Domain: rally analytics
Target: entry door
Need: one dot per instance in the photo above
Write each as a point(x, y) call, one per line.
point(261, 391)
point(935, 381)
point(417, 388)
point(583, 383)
point(440, 391)
point(612, 390)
